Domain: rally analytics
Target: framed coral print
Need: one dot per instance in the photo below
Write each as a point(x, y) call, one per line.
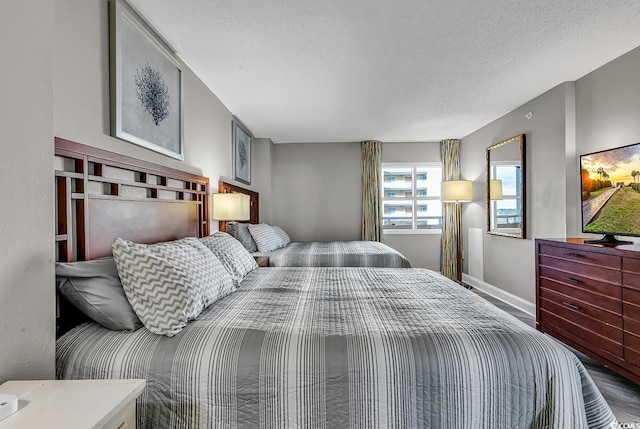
point(241, 152)
point(146, 85)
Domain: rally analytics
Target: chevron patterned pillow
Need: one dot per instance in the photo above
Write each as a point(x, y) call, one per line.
point(282, 234)
point(265, 237)
point(170, 283)
point(233, 255)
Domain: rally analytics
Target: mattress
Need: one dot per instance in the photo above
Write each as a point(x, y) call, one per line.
point(337, 254)
point(344, 347)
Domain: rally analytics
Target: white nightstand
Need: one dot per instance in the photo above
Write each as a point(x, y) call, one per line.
point(108, 404)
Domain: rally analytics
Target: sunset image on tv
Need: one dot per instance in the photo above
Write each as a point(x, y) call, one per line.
point(611, 191)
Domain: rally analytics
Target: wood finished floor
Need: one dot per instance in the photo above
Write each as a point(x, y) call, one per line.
point(622, 395)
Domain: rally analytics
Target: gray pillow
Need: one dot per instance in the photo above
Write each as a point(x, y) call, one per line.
point(95, 289)
point(266, 238)
point(240, 231)
point(170, 283)
point(235, 258)
point(282, 234)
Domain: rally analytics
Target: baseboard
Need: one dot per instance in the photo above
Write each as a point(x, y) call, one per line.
point(497, 293)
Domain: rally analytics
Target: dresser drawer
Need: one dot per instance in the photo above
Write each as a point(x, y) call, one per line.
point(585, 270)
point(631, 265)
point(631, 280)
point(632, 349)
point(594, 318)
point(582, 256)
point(126, 419)
point(631, 326)
point(575, 331)
point(569, 283)
point(584, 316)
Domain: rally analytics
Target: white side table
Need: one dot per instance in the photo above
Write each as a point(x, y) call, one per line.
point(54, 404)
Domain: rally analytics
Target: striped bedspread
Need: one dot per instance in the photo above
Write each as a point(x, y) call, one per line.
point(344, 347)
point(338, 254)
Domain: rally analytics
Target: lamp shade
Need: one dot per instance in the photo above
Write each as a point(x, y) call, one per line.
point(456, 191)
point(231, 206)
point(495, 189)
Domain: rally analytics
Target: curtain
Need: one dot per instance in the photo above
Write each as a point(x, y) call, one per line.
point(371, 204)
point(451, 241)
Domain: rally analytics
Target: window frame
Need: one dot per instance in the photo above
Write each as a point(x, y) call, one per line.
point(414, 198)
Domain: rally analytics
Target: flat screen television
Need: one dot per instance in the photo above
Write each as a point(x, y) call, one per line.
point(610, 184)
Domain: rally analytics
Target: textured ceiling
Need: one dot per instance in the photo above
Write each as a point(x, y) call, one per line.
point(411, 70)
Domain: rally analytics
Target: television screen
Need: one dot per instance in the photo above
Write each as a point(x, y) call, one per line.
point(610, 183)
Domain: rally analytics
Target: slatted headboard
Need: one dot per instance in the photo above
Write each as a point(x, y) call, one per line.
point(254, 198)
point(102, 195)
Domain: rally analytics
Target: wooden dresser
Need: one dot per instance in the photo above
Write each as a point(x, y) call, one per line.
point(588, 296)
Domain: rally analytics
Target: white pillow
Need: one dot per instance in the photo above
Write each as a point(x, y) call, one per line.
point(170, 283)
point(266, 238)
point(282, 234)
point(236, 259)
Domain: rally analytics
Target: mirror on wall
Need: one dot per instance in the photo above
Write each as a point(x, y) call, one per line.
point(505, 188)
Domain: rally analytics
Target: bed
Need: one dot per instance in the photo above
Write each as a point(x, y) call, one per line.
point(336, 347)
point(259, 240)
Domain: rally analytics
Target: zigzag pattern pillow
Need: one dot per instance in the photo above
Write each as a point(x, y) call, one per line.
point(233, 255)
point(170, 283)
point(265, 237)
point(282, 234)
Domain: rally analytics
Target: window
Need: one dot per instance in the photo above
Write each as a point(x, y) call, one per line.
point(411, 197)
point(506, 212)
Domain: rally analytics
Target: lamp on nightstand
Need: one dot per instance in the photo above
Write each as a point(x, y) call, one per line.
point(231, 206)
point(457, 191)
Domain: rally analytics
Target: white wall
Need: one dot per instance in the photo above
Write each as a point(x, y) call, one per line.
point(27, 326)
point(422, 250)
point(509, 263)
point(316, 190)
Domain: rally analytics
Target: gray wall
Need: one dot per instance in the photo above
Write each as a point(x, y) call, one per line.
point(316, 190)
point(56, 83)
point(422, 250)
point(598, 111)
point(81, 102)
point(27, 305)
point(607, 113)
point(508, 262)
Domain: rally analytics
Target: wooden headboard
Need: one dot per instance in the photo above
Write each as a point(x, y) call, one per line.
point(254, 197)
point(102, 195)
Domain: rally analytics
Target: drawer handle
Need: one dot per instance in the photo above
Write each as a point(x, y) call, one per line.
point(575, 255)
point(574, 307)
point(572, 280)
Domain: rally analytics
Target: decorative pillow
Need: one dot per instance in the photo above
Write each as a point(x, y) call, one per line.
point(95, 289)
point(265, 237)
point(235, 258)
point(282, 234)
point(240, 231)
point(170, 283)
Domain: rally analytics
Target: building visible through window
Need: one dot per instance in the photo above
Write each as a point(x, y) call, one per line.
point(411, 196)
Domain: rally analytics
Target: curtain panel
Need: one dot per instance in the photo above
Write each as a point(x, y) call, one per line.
point(371, 182)
point(451, 241)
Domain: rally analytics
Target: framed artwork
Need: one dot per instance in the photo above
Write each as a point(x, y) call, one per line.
point(146, 85)
point(241, 152)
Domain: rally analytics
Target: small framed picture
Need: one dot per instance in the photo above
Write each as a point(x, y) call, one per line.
point(146, 85)
point(242, 140)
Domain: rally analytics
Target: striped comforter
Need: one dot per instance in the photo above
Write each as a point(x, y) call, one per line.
point(337, 254)
point(344, 347)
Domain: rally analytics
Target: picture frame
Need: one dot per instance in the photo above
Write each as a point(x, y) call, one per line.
point(241, 149)
point(146, 85)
